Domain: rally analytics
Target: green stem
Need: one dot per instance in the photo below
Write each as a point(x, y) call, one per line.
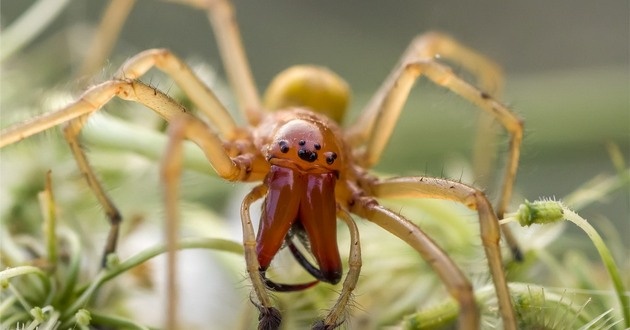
point(33, 325)
point(47, 204)
point(6, 304)
point(52, 322)
point(542, 212)
point(7, 274)
point(607, 259)
point(107, 274)
point(116, 322)
point(16, 293)
point(69, 283)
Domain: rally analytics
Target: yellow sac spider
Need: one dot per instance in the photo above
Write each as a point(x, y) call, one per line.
point(311, 171)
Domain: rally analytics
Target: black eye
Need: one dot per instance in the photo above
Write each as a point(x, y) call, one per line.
point(317, 146)
point(307, 155)
point(330, 158)
point(302, 142)
point(284, 148)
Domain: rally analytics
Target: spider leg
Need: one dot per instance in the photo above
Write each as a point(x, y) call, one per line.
point(122, 85)
point(422, 187)
point(125, 87)
point(375, 126)
point(223, 21)
point(93, 100)
point(192, 86)
point(222, 18)
point(239, 168)
point(426, 46)
point(89, 102)
point(77, 114)
point(335, 315)
point(269, 315)
point(457, 284)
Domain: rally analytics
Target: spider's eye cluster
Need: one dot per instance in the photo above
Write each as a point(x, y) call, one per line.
point(307, 154)
point(305, 145)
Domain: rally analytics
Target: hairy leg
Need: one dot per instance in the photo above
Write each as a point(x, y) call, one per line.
point(187, 127)
point(335, 315)
point(226, 31)
point(422, 187)
point(374, 127)
point(456, 282)
point(269, 317)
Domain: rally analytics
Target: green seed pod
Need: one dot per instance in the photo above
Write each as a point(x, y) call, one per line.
point(539, 212)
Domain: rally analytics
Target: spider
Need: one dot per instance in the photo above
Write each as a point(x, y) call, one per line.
point(311, 170)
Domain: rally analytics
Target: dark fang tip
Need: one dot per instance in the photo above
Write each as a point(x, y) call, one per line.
point(303, 261)
point(281, 287)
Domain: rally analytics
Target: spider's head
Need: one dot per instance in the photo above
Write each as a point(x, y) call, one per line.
point(305, 145)
point(312, 87)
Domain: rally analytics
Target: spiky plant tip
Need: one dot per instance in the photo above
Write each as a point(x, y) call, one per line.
point(38, 314)
point(550, 211)
point(539, 212)
point(83, 317)
point(112, 261)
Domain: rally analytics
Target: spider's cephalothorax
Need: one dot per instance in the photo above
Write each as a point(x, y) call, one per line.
point(311, 171)
point(303, 156)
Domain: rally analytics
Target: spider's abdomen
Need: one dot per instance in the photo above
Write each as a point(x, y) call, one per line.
point(312, 87)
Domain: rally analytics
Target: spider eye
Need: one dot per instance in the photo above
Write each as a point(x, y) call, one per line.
point(330, 158)
point(317, 146)
point(302, 142)
point(284, 147)
point(306, 155)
